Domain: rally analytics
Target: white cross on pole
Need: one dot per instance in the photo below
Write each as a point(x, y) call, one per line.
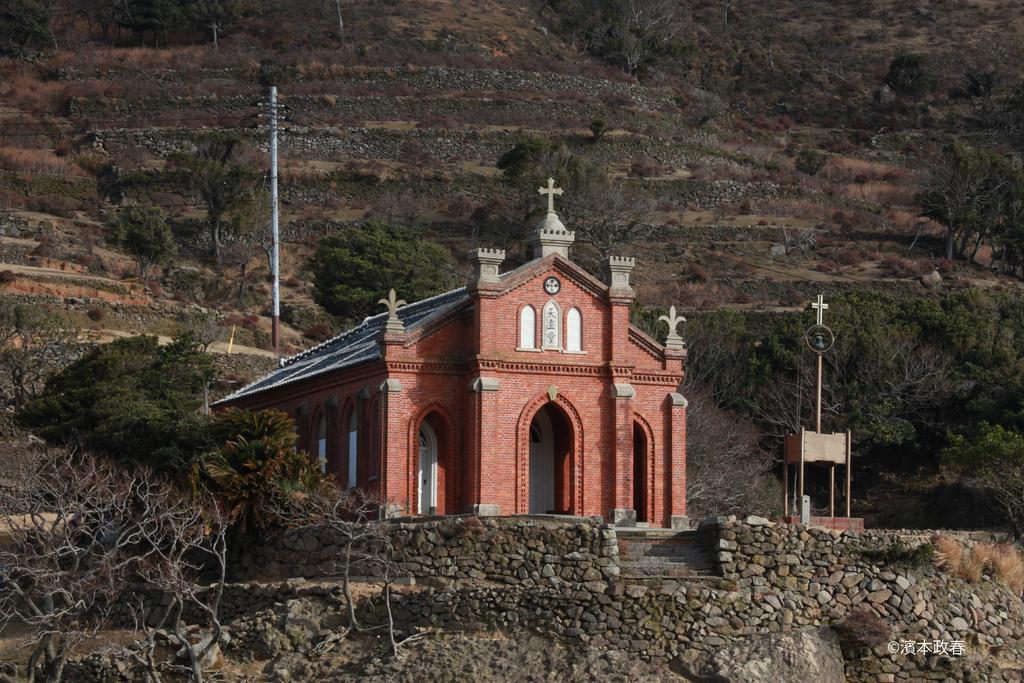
point(821, 307)
point(550, 191)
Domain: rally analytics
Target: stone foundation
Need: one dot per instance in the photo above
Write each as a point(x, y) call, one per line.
point(561, 578)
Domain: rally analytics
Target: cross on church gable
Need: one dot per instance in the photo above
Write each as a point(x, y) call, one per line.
point(551, 191)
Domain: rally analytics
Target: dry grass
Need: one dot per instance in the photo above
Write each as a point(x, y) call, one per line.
point(880, 192)
point(182, 58)
point(35, 161)
point(847, 170)
point(20, 85)
point(1002, 561)
point(948, 553)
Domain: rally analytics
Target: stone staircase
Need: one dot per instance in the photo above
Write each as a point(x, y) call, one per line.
point(663, 554)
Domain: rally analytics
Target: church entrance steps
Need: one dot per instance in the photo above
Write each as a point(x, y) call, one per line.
point(664, 553)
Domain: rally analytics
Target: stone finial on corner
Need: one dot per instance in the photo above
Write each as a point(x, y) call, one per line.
point(486, 265)
point(393, 303)
point(674, 340)
point(615, 271)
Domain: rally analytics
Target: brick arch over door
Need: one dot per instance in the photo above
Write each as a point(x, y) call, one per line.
point(649, 469)
point(449, 492)
point(572, 416)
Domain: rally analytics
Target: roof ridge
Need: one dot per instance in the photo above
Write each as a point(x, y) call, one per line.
point(408, 308)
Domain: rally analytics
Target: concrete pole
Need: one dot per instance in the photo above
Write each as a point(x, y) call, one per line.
point(803, 443)
point(849, 472)
point(785, 487)
point(817, 410)
point(275, 258)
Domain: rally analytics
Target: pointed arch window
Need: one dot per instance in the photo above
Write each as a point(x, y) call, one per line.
point(353, 449)
point(527, 328)
point(321, 444)
point(551, 326)
point(573, 330)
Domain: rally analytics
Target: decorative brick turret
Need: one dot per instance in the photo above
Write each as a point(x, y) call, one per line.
point(615, 272)
point(486, 265)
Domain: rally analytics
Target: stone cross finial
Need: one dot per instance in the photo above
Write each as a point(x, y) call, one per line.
point(820, 306)
point(393, 303)
point(551, 191)
point(674, 341)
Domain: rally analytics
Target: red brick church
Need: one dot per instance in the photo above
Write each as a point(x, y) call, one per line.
point(526, 391)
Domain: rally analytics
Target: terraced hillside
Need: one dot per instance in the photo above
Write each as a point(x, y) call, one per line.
point(773, 160)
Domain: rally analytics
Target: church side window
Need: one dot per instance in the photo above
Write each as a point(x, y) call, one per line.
point(353, 449)
point(321, 444)
point(573, 331)
point(551, 326)
point(527, 328)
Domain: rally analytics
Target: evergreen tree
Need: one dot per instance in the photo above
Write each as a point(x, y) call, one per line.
point(354, 269)
point(223, 182)
point(149, 16)
point(24, 25)
point(131, 399)
point(144, 232)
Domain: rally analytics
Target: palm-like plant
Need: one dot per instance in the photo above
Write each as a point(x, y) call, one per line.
point(256, 467)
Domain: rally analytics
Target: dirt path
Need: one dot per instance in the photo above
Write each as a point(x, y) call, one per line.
point(104, 336)
point(67, 274)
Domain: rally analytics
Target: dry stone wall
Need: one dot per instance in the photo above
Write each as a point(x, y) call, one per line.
point(525, 550)
point(813, 575)
point(561, 578)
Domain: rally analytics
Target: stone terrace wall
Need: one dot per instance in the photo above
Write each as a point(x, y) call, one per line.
point(525, 550)
point(818, 576)
point(560, 578)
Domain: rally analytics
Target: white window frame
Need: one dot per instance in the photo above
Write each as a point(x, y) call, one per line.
point(527, 329)
point(574, 334)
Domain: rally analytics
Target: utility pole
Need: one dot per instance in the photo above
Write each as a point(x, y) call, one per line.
point(275, 258)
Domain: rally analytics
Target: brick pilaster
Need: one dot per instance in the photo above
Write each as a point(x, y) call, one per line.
point(677, 458)
point(482, 458)
point(623, 512)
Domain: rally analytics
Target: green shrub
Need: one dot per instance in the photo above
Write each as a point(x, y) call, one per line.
point(353, 270)
point(901, 554)
point(909, 75)
point(131, 400)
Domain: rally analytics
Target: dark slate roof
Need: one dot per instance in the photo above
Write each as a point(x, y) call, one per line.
point(358, 345)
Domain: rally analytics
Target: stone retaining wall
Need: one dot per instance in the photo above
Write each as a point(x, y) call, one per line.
point(524, 550)
point(818, 576)
point(560, 578)
point(420, 79)
point(345, 143)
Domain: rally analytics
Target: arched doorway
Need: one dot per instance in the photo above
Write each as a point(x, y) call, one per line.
point(640, 464)
point(432, 440)
point(427, 492)
point(551, 462)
